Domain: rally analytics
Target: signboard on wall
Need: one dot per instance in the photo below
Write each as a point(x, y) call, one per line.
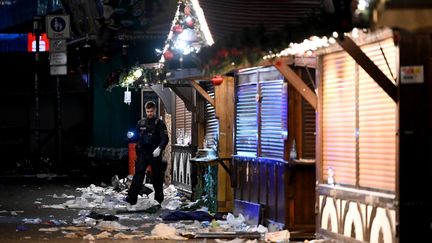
point(412, 74)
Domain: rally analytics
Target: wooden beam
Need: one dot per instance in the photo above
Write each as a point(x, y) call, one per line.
point(296, 82)
point(369, 66)
point(202, 92)
point(185, 94)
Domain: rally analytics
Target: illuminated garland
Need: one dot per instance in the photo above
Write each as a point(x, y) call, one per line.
point(136, 77)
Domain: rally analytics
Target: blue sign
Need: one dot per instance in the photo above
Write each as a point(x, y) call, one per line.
point(58, 24)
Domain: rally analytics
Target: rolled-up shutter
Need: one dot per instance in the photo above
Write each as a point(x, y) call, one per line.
point(273, 114)
point(359, 119)
point(339, 117)
point(377, 122)
point(246, 116)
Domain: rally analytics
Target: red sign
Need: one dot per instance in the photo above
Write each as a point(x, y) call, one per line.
point(43, 42)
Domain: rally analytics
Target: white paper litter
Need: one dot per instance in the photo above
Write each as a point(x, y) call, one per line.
point(162, 231)
point(111, 226)
point(63, 196)
point(278, 236)
point(32, 221)
point(103, 235)
point(89, 237)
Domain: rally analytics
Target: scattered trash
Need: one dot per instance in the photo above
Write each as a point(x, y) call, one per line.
point(229, 235)
point(15, 213)
point(236, 240)
point(278, 236)
point(163, 232)
point(63, 196)
point(95, 211)
point(123, 236)
point(182, 215)
point(106, 217)
point(52, 229)
point(111, 226)
point(32, 221)
point(71, 235)
point(89, 237)
point(133, 209)
point(103, 235)
point(21, 228)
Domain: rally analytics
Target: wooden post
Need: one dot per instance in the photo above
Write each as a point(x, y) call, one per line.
point(224, 107)
point(297, 82)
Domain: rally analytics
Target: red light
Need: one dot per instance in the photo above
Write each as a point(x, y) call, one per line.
point(43, 42)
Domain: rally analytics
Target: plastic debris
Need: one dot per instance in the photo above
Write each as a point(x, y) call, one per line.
point(32, 221)
point(21, 228)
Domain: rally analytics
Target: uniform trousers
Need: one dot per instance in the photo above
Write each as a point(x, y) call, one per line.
point(157, 175)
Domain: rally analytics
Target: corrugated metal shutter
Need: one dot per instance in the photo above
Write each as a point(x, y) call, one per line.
point(273, 114)
point(183, 119)
point(308, 120)
point(212, 124)
point(246, 116)
point(377, 122)
point(339, 117)
point(359, 120)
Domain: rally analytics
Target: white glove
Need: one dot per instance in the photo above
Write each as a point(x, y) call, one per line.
point(129, 134)
point(156, 152)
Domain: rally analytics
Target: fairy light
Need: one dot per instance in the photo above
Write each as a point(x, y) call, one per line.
point(309, 46)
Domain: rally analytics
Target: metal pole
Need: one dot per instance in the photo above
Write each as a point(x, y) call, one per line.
point(36, 30)
point(59, 123)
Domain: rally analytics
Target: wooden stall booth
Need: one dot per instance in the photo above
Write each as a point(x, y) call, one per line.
point(201, 141)
point(273, 163)
point(357, 138)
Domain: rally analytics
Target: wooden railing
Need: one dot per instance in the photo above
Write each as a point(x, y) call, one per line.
point(181, 167)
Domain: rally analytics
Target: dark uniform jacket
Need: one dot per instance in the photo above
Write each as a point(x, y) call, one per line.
point(152, 134)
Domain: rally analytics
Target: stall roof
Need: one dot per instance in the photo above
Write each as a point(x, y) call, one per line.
point(410, 15)
point(225, 17)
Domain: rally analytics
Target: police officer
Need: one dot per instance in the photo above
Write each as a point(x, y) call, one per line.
point(152, 140)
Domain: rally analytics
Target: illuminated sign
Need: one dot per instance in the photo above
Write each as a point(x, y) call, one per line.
point(43, 42)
